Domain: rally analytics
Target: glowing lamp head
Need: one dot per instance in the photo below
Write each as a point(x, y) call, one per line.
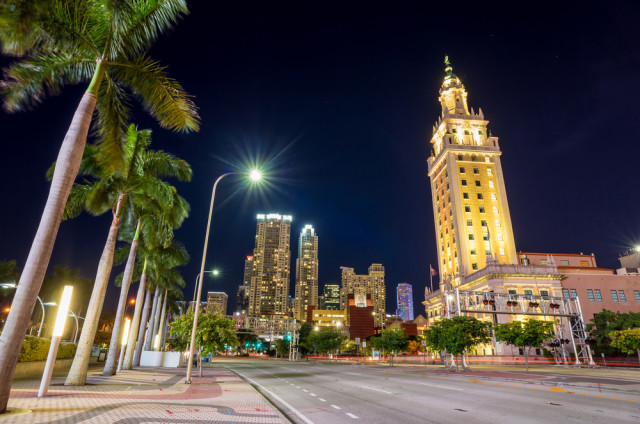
point(215, 272)
point(132, 301)
point(63, 311)
point(255, 175)
point(125, 334)
point(316, 328)
point(7, 309)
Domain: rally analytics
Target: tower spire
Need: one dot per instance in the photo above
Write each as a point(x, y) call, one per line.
point(448, 70)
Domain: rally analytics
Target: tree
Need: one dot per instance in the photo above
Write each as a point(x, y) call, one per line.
point(627, 341)
point(391, 340)
point(457, 334)
point(282, 347)
point(325, 340)
point(414, 347)
point(214, 332)
point(102, 44)
point(304, 331)
point(604, 323)
point(532, 333)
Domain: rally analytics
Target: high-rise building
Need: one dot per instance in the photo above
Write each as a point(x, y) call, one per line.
point(404, 295)
point(248, 269)
point(306, 273)
point(217, 302)
point(331, 297)
point(242, 302)
point(361, 285)
point(471, 213)
point(269, 288)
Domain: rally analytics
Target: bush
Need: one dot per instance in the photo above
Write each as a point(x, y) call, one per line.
point(37, 349)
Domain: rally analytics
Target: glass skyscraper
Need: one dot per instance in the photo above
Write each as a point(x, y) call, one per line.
point(404, 294)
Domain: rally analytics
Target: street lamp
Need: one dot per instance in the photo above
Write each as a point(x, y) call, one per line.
point(215, 273)
point(71, 313)
point(255, 175)
point(13, 286)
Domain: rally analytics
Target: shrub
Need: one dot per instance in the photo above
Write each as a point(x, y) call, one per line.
point(37, 349)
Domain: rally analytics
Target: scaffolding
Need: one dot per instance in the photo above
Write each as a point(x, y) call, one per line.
point(491, 303)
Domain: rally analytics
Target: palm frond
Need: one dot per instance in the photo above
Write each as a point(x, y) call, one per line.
point(26, 83)
point(113, 113)
point(162, 97)
point(102, 197)
point(121, 254)
point(161, 164)
point(77, 200)
point(147, 20)
point(19, 29)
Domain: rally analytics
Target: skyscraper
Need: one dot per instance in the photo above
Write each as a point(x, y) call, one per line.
point(404, 295)
point(306, 273)
point(242, 302)
point(361, 285)
point(269, 286)
point(471, 213)
point(331, 297)
point(217, 302)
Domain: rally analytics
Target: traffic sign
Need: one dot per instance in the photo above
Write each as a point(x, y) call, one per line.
point(364, 344)
point(357, 340)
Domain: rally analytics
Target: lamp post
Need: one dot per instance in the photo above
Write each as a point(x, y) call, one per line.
point(215, 273)
point(125, 335)
point(255, 176)
point(75, 335)
point(61, 318)
point(13, 286)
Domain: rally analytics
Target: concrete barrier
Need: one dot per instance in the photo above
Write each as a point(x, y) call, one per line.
point(34, 369)
point(151, 358)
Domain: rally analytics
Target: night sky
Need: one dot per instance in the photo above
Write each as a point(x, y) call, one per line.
point(341, 101)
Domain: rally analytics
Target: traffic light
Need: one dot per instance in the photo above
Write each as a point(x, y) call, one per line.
point(288, 337)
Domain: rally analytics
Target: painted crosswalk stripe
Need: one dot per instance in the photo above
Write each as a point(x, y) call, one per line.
point(352, 416)
point(322, 400)
point(312, 394)
point(335, 406)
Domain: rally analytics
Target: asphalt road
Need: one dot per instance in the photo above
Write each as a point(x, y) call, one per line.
point(344, 393)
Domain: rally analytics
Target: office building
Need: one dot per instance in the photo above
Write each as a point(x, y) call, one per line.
point(306, 289)
point(370, 284)
point(404, 296)
point(269, 288)
point(331, 297)
point(217, 302)
point(242, 302)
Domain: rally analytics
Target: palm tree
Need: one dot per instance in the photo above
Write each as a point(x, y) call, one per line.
point(155, 266)
point(150, 215)
point(134, 189)
point(101, 43)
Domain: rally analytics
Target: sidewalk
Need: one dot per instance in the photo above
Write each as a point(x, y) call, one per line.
point(144, 395)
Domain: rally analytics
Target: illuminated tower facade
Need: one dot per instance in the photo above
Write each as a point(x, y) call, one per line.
point(404, 296)
point(271, 263)
point(470, 206)
point(306, 273)
point(362, 285)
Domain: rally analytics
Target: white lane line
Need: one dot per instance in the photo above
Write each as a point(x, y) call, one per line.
point(335, 406)
point(351, 415)
point(321, 400)
point(305, 390)
point(312, 394)
point(297, 387)
point(442, 387)
point(353, 373)
point(377, 390)
point(278, 398)
point(292, 384)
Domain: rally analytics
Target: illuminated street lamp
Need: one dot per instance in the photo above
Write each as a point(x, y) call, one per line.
point(125, 335)
point(255, 176)
point(13, 286)
point(214, 272)
point(63, 311)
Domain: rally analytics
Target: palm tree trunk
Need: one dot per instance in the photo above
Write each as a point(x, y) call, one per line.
point(147, 340)
point(116, 335)
point(156, 321)
point(161, 320)
point(67, 165)
point(78, 373)
point(141, 330)
point(135, 322)
point(163, 337)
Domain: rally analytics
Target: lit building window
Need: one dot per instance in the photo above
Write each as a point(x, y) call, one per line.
point(564, 263)
point(636, 293)
point(598, 295)
point(500, 237)
point(502, 252)
point(623, 297)
point(614, 295)
point(486, 159)
point(493, 197)
point(497, 223)
point(565, 293)
point(590, 295)
point(574, 293)
point(469, 223)
point(495, 210)
point(491, 185)
point(489, 172)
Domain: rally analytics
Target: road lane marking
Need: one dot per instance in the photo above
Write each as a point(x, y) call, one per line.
point(377, 390)
point(558, 389)
point(282, 401)
point(441, 387)
point(335, 406)
point(305, 390)
point(322, 400)
point(352, 416)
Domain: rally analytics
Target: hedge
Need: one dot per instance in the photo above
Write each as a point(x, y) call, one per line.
point(37, 349)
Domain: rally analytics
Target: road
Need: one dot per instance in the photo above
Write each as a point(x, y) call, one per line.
point(344, 393)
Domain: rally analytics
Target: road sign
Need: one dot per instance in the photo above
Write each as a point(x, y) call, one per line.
point(424, 343)
point(364, 344)
point(357, 340)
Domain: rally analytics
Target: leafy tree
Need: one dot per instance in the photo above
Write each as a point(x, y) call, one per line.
point(391, 340)
point(214, 332)
point(627, 341)
point(102, 44)
point(414, 347)
point(325, 340)
point(348, 346)
point(457, 334)
point(604, 323)
point(282, 347)
point(246, 339)
point(530, 334)
point(305, 329)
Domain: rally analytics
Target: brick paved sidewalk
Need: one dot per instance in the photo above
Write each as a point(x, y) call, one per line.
point(144, 395)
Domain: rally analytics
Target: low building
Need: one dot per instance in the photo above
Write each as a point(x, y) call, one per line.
point(217, 302)
point(360, 316)
point(326, 317)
